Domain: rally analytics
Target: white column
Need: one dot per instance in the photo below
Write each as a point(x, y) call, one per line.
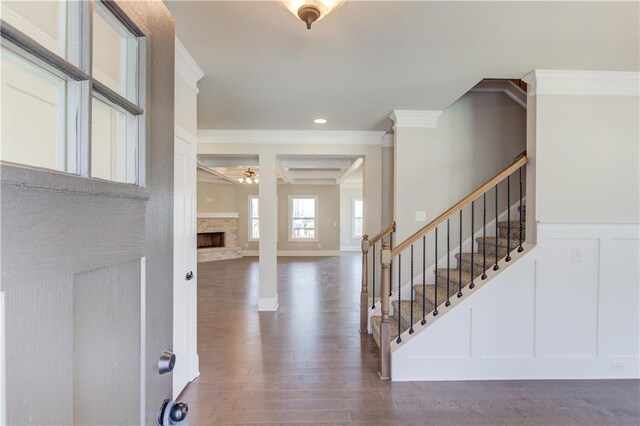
point(268, 196)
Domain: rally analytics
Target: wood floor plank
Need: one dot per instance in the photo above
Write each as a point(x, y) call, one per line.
point(308, 364)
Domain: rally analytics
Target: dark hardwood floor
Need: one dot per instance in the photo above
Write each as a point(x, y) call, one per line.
point(307, 363)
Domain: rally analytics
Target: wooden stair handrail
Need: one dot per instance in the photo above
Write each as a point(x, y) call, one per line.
point(386, 231)
point(520, 161)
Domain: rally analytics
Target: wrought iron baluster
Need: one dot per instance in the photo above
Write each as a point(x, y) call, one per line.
point(448, 302)
point(411, 313)
point(435, 288)
point(399, 297)
point(473, 244)
point(495, 266)
point(508, 258)
point(460, 260)
point(520, 248)
point(484, 236)
point(424, 279)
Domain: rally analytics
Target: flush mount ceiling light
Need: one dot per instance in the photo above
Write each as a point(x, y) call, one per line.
point(249, 176)
point(320, 121)
point(310, 11)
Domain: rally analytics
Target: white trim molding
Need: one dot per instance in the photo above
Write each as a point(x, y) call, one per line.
point(268, 304)
point(586, 83)
point(187, 67)
point(219, 215)
point(502, 86)
point(388, 140)
point(414, 118)
point(269, 137)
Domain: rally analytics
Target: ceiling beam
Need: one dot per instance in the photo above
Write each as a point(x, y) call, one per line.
point(214, 173)
point(282, 173)
point(230, 161)
point(315, 163)
point(356, 164)
point(314, 174)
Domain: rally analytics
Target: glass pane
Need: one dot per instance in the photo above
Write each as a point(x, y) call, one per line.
point(34, 116)
point(114, 53)
point(113, 143)
point(255, 228)
point(254, 207)
point(357, 207)
point(303, 207)
point(357, 227)
point(43, 21)
point(304, 233)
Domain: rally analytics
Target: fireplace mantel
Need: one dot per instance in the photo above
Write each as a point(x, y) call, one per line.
point(219, 215)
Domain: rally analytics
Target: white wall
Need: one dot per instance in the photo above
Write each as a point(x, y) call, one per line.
point(588, 148)
point(347, 194)
point(546, 316)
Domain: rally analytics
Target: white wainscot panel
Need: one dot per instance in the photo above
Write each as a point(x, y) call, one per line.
point(504, 327)
point(567, 298)
point(619, 312)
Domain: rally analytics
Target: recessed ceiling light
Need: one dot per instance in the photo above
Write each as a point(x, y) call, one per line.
point(320, 121)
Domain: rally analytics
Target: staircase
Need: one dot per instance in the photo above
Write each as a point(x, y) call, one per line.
point(425, 289)
point(508, 239)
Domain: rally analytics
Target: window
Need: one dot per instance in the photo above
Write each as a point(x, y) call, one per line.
point(357, 222)
point(303, 213)
point(254, 218)
point(57, 112)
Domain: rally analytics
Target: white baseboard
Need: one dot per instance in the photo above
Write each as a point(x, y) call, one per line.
point(297, 253)
point(350, 248)
point(268, 304)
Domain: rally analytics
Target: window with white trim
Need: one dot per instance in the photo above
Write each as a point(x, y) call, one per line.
point(303, 218)
point(73, 89)
point(357, 217)
point(254, 218)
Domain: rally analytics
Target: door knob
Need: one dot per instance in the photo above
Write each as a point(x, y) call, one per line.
point(189, 275)
point(173, 413)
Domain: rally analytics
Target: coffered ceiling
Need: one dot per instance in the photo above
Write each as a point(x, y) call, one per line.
point(294, 170)
point(265, 70)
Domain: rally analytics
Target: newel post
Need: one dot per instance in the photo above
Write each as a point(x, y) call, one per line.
point(364, 293)
point(385, 325)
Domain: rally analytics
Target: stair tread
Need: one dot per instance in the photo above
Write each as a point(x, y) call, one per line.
point(375, 325)
point(453, 275)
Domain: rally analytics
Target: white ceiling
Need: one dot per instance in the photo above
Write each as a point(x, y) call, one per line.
point(265, 70)
point(294, 170)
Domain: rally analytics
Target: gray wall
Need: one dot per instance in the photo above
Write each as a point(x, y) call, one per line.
point(72, 253)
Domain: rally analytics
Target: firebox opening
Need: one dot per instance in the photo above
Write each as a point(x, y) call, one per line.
point(210, 239)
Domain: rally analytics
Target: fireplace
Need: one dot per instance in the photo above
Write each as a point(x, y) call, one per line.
point(210, 239)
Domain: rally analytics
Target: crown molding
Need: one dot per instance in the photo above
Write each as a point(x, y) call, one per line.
point(319, 137)
point(187, 67)
point(502, 86)
point(414, 118)
point(583, 83)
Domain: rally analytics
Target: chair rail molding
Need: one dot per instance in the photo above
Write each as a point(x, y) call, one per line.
point(414, 118)
point(583, 83)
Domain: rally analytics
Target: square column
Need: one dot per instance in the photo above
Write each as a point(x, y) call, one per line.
point(268, 202)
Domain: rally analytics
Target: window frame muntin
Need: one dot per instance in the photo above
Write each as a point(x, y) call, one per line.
point(80, 25)
point(316, 219)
